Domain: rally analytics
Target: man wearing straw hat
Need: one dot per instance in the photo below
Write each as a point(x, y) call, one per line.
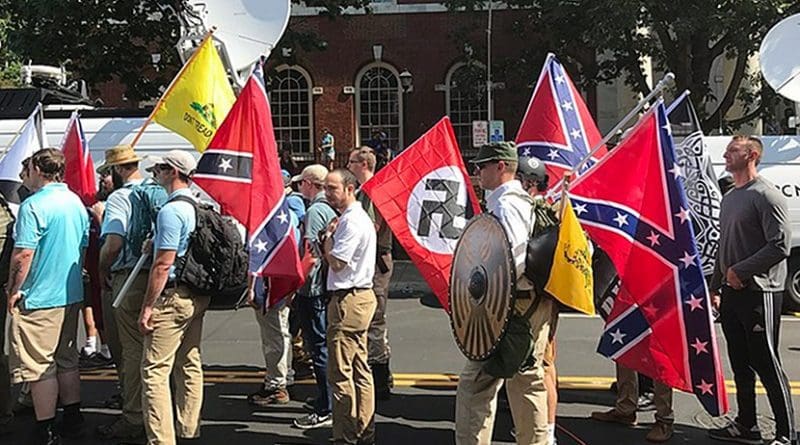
point(476, 397)
point(128, 218)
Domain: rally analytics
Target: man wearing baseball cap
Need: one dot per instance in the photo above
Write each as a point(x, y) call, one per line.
point(171, 318)
point(496, 166)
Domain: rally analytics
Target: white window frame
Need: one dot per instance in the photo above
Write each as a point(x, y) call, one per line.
point(400, 104)
point(448, 95)
point(307, 154)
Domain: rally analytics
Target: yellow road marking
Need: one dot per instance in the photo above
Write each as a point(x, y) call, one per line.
point(589, 383)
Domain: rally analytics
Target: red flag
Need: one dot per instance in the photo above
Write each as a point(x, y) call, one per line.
point(79, 168)
point(241, 171)
point(79, 177)
point(426, 197)
point(557, 127)
point(661, 323)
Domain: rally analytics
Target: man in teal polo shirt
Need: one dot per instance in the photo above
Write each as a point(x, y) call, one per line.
point(45, 292)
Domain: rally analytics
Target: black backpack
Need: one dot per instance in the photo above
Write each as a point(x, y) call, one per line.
point(216, 262)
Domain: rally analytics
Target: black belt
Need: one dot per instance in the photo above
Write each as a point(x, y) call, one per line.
point(343, 292)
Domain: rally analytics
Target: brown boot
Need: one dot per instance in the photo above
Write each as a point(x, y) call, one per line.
point(614, 416)
point(661, 432)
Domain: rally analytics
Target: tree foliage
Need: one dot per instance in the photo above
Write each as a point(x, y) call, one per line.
point(606, 39)
point(103, 40)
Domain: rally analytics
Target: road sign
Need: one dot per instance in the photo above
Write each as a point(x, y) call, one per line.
point(480, 133)
point(497, 131)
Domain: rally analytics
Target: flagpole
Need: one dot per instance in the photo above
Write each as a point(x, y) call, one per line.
point(566, 180)
point(668, 79)
point(171, 86)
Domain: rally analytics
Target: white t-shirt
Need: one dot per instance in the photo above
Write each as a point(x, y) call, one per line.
point(354, 243)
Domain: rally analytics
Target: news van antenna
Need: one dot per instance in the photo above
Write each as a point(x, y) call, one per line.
point(778, 58)
point(246, 30)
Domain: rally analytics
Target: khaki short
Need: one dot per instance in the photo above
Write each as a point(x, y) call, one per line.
point(42, 342)
point(549, 358)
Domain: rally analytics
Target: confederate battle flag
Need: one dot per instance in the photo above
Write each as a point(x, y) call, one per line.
point(557, 127)
point(240, 170)
point(426, 197)
point(633, 205)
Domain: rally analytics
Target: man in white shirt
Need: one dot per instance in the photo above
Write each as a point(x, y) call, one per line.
point(476, 403)
point(349, 249)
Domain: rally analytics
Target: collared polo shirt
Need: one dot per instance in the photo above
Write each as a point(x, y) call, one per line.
point(513, 206)
point(174, 225)
point(55, 224)
point(354, 243)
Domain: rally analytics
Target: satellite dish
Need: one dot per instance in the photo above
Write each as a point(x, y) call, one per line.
point(246, 29)
point(778, 57)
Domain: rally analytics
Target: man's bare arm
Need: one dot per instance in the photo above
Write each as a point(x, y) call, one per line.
point(21, 260)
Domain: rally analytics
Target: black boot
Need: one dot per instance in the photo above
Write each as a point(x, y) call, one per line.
point(383, 381)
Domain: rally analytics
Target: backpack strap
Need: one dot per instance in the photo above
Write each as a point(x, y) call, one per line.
point(181, 198)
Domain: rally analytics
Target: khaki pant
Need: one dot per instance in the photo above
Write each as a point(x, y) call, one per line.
point(349, 315)
point(476, 396)
point(130, 340)
point(178, 322)
point(276, 344)
point(378, 335)
point(110, 331)
point(43, 342)
point(628, 396)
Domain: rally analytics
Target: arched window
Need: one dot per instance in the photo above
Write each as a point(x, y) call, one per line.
point(379, 104)
point(290, 100)
point(466, 101)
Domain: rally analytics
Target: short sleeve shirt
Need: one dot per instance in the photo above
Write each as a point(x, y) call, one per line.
point(327, 145)
point(54, 223)
point(117, 220)
point(354, 243)
point(174, 225)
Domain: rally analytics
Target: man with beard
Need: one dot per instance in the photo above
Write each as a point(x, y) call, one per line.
point(129, 214)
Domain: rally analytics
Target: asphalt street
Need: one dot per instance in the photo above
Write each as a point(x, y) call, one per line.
point(426, 363)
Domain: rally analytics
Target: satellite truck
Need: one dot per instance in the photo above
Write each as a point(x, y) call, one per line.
point(245, 30)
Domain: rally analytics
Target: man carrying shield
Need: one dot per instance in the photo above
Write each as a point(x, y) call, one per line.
point(496, 166)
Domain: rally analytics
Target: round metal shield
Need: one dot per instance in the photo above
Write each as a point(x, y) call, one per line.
point(482, 287)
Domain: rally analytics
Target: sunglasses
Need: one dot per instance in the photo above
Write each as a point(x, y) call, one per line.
point(481, 166)
point(163, 167)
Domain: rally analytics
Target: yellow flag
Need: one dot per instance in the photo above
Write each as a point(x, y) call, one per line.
point(198, 99)
point(571, 276)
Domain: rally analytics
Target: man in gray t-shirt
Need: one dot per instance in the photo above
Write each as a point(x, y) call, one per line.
point(749, 274)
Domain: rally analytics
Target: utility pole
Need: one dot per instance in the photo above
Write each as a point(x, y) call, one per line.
point(489, 107)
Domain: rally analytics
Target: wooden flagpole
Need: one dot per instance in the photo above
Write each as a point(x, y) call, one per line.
point(171, 86)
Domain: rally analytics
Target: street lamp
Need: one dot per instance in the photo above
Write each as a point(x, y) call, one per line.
point(407, 85)
point(406, 81)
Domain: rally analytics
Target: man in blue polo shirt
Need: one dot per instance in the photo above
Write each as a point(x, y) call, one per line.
point(171, 318)
point(45, 292)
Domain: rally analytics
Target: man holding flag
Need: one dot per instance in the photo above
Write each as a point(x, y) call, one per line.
point(496, 165)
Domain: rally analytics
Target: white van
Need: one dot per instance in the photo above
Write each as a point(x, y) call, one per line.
point(781, 166)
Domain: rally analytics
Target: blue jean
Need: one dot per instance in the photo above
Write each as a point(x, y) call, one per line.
point(313, 314)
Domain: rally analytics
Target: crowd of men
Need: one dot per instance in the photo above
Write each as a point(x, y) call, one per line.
point(154, 328)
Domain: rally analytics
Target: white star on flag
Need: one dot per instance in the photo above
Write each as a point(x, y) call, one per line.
point(687, 260)
point(576, 133)
point(699, 346)
point(260, 245)
point(668, 128)
point(621, 220)
point(653, 238)
point(560, 78)
point(526, 152)
point(225, 165)
point(580, 209)
point(553, 154)
point(566, 105)
point(705, 388)
point(676, 171)
point(617, 337)
point(683, 215)
point(695, 303)
point(283, 217)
